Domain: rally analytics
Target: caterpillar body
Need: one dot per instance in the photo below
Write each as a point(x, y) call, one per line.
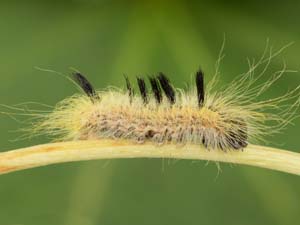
point(226, 119)
point(164, 116)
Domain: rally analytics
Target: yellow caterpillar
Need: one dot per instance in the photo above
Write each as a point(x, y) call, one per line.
point(224, 119)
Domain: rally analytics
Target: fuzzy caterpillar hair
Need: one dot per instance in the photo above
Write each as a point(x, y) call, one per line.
point(225, 119)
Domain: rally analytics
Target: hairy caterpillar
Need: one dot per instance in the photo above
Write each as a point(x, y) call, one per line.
point(166, 116)
point(225, 119)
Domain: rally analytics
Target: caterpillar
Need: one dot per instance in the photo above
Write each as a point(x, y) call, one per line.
point(227, 118)
point(174, 119)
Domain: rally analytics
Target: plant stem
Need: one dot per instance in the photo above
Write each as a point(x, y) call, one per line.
point(42, 155)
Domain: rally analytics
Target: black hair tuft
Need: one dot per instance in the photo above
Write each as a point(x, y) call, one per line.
point(200, 87)
point(156, 89)
point(129, 88)
point(167, 87)
point(143, 89)
point(85, 85)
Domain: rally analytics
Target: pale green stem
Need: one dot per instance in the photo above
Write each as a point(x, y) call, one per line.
point(42, 155)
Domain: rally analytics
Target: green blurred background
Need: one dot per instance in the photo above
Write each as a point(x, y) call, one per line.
point(104, 39)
